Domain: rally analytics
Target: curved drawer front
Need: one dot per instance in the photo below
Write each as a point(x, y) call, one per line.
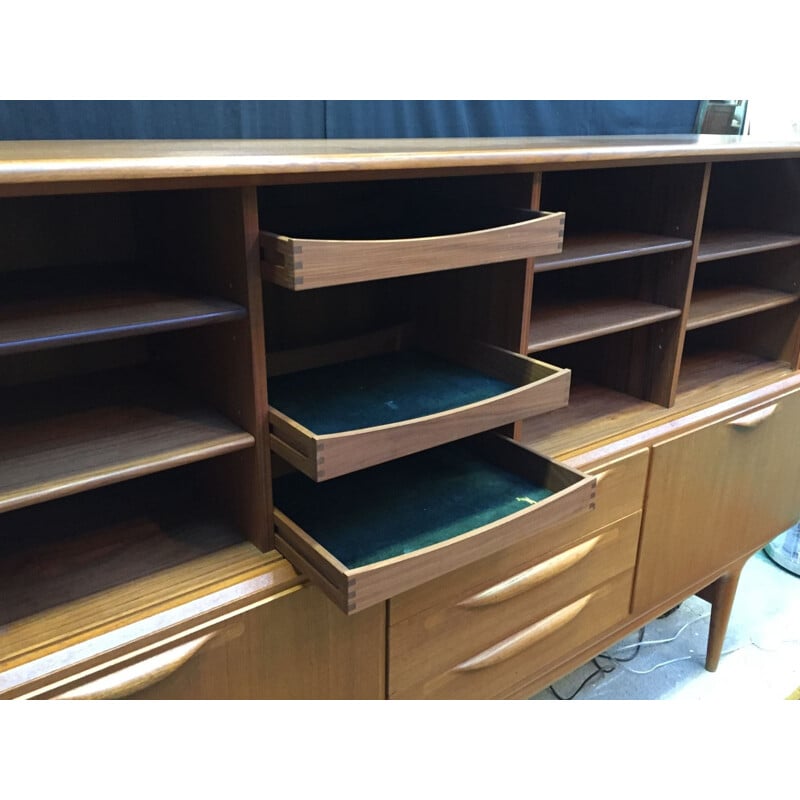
point(474, 620)
point(510, 661)
point(619, 493)
point(306, 262)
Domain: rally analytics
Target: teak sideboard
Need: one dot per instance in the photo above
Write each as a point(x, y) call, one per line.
point(384, 419)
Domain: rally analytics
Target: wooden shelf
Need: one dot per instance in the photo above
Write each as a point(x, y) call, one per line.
point(597, 414)
point(590, 248)
point(60, 552)
point(63, 437)
point(565, 322)
point(720, 303)
point(726, 243)
point(53, 308)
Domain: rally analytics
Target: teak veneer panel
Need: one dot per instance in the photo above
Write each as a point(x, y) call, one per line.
point(57, 166)
point(728, 242)
point(590, 248)
point(717, 494)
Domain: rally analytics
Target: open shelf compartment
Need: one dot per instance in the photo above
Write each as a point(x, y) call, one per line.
point(378, 242)
point(557, 324)
point(66, 436)
point(45, 308)
point(717, 243)
point(580, 249)
point(355, 403)
point(69, 549)
point(369, 536)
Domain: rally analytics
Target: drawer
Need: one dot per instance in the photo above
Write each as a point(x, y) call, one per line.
point(347, 405)
point(291, 647)
point(540, 643)
point(375, 243)
point(717, 494)
point(619, 493)
point(372, 534)
point(428, 643)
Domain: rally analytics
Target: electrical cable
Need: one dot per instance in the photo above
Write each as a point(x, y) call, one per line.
point(599, 668)
point(616, 659)
point(661, 641)
point(680, 658)
point(577, 691)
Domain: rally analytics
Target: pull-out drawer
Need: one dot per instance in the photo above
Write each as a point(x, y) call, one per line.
point(542, 641)
point(430, 643)
point(717, 494)
point(368, 536)
point(376, 243)
point(347, 405)
point(619, 493)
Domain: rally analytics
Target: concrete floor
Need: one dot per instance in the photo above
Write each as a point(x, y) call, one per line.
point(761, 654)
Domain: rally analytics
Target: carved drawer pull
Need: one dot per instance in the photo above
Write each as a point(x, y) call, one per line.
point(526, 580)
point(601, 476)
point(756, 418)
point(524, 639)
point(137, 676)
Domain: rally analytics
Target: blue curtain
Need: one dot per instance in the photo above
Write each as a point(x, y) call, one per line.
point(408, 118)
point(336, 119)
point(162, 119)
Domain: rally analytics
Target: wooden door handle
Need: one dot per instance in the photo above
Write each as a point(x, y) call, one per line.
point(523, 639)
point(754, 419)
point(527, 579)
point(138, 676)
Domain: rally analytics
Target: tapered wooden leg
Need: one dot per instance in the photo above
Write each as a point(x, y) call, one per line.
point(721, 595)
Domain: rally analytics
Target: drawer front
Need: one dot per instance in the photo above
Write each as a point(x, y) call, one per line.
point(294, 647)
point(717, 494)
point(619, 493)
point(511, 662)
point(428, 643)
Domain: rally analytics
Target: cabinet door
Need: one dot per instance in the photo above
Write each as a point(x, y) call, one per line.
point(296, 647)
point(717, 494)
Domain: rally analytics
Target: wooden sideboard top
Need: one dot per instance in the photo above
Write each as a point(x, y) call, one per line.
point(30, 167)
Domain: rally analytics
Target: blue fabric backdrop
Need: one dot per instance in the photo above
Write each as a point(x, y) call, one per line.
point(335, 119)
